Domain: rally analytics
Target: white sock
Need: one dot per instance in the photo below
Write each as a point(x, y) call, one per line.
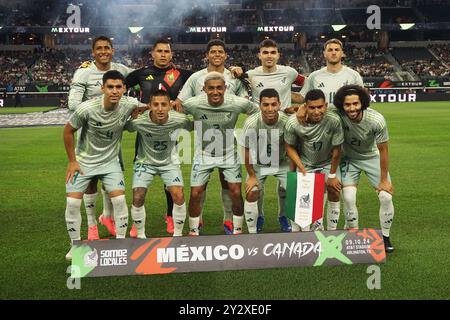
point(179, 216)
point(193, 224)
point(120, 215)
point(281, 200)
point(333, 210)
point(351, 212)
point(227, 205)
point(107, 205)
point(73, 218)
point(89, 205)
point(237, 224)
point(251, 214)
point(295, 227)
point(386, 212)
point(138, 215)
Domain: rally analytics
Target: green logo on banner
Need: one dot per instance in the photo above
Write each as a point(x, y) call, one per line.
point(84, 259)
point(331, 248)
point(42, 89)
point(433, 83)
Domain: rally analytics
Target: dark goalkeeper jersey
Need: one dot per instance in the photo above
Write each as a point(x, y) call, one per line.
point(153, 78)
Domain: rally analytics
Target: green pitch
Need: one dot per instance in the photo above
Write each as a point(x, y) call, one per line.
point(24, 110)
point(34, 237)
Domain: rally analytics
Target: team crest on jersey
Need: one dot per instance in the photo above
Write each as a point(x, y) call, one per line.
point(171, 76)
point(85, 64)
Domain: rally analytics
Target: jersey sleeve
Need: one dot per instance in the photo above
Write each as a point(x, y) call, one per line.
point(292, 74)
point(188, 89)
point(132, 79)
point(381, 131)
point(78, 119)
point(289, 132)
point(338, 133)
point(307, 86)
point(77, 89)
point(359, 81)
point(249, 107)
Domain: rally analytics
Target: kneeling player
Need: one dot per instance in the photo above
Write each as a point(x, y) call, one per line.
point(316, 147)
point(156, 155)
point(365, 150)
point(263, 156)
point(102, 121)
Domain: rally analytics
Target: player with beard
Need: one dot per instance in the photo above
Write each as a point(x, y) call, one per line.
point(161, 75)
point(365, 150)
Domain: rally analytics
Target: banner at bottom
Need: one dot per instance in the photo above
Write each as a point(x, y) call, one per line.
point(224, 252)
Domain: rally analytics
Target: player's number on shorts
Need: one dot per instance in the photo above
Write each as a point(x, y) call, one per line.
point(160, 145)
point(317, 145)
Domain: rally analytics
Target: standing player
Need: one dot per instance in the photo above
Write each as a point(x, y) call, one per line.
point(217, 114)
point(365, 150)
point(161, 75)
point(263, 156)
point(86, 84)
point(216, 56)
point(101, 121)
point(331, 77)
point(316, 147)
point(281, 78)
point(156, 155)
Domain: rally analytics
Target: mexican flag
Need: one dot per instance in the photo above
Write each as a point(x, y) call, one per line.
point(304, 199)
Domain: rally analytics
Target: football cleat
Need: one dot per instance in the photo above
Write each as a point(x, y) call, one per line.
point(109, 224)
point(260, 224)
point(284, 224)
point(169, 222)
point(193, 233)
point(388, 247)
point(93, 233)
point(228, 226)
point(133, 231)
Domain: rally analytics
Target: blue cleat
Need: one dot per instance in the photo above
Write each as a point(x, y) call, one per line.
point(260, 224)
point(228, 227)
point(284, 224)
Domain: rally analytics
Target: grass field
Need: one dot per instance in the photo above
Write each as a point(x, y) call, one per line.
point(24, 110)
point(34, 237)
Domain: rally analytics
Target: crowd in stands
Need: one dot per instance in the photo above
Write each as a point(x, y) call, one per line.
point(426, 69)
point(56, 66)
point(442, 51)
point(368, 61)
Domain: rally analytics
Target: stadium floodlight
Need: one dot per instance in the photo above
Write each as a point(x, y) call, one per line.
point(135, 29)
point(338, 27)
point(406, 26)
